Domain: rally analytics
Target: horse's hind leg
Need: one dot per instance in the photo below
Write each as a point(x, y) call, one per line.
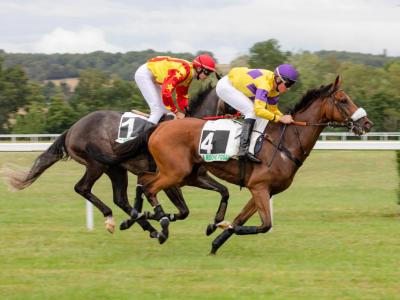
point(119, 180)
point(152, 184)
point(175, 195)
point(84, 188)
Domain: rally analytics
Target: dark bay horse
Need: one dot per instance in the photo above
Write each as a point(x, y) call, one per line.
point(293, 143)
point(101, 128)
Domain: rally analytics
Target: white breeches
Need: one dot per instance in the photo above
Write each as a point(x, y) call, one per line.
point(235, 98)
point(151, 92)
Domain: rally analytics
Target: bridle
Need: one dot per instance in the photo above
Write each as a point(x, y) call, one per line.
point(349, 122)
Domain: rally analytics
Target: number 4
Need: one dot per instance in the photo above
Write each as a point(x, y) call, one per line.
point(207, 143)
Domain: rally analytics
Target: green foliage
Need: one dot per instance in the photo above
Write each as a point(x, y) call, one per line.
point(267, 55)
point(57, 66)
point(398, 173)
point(34, 121)
point(14, 92)
point(105, 82)
point(60, 115)
point(357, 58)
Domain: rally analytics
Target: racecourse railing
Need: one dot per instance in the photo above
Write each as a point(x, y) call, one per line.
point(327, 140)
point(343, 136)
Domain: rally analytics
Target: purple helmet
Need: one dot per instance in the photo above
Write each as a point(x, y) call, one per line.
point(287, 73)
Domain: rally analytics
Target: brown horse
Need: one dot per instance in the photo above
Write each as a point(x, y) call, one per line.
point(175, 160)
point(101, 127)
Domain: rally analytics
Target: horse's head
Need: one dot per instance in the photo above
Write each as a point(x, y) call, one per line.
point(338, 107)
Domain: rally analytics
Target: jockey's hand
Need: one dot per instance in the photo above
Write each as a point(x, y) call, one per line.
point(179, 115)
point(286, 119)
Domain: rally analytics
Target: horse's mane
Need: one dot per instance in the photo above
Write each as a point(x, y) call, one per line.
point(311, 96)
point(197, 99)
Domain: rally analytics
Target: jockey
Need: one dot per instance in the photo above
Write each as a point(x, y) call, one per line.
point(160, 76)
point(255, 93)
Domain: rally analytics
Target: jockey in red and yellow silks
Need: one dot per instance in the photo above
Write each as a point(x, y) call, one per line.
point(171, 74)
point(162, 75)
point(255, 93)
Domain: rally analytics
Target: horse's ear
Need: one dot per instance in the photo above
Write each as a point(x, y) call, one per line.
point(338, 83)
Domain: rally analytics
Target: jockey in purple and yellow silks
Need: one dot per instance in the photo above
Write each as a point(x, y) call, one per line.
point(162, 75)
point(255, 93)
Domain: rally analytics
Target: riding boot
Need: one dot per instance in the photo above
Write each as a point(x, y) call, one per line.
point(247, 128)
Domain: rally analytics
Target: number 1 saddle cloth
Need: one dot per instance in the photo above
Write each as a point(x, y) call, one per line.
point(130, 126)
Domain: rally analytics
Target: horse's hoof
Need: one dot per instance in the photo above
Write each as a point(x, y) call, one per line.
point(162, 238)
point(213, 251)
point(134, 214)
point(224, 225)
point(110, 224)
point(210, 229)
point(154, 235)
point(110, 228)
point(164, 222)
point(126, 224)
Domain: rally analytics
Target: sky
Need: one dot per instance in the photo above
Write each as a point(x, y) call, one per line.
point(228, 28)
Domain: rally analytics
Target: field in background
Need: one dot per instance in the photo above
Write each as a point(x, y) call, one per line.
point(336, 236)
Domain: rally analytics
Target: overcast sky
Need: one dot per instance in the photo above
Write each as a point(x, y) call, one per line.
point(228, 28)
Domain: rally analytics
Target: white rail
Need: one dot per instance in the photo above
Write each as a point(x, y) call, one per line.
point(342, 136)
point(321, 145)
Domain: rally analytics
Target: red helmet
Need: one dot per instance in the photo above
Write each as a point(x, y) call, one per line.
point(204, 61)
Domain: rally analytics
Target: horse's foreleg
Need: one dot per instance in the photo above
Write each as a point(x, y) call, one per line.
point(262, 203)
point(244, 215)
point(84, 188)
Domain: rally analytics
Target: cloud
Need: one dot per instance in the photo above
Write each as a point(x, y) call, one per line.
point(225, 27)
point(86, 40)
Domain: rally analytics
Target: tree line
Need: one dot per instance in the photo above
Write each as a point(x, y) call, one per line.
point(30, 105)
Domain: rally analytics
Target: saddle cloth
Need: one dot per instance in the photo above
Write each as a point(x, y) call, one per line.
point(220, 139)
point(130, 126)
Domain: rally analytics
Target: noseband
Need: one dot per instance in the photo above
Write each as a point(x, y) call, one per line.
point(349, 120)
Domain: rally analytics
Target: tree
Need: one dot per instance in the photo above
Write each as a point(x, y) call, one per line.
point(91, 81)
point(60, 115)
point(33, 121)
point(13, 93)
point(267, 55)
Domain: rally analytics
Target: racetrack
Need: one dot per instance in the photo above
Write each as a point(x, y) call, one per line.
point(336, 236)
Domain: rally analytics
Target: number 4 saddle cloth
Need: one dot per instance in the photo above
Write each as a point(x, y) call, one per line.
point(220, 139)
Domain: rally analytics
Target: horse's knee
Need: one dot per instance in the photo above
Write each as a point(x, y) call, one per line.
point(224, 194)
point(264, 228)
point(184, 214)
point(81, 189)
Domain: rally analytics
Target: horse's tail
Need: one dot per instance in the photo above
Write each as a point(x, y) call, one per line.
point(19, 179)
point(123, 151)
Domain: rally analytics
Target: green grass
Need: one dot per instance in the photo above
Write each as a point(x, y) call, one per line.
point(336, 236)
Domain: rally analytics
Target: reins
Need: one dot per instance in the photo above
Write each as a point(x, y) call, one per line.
point(278, 146)
point(326, 124)
point(234, 116)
